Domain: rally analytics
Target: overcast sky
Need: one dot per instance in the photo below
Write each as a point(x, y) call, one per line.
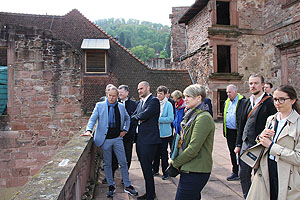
point(156, 11)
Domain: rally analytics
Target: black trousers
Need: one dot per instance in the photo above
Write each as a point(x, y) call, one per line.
point(273, 177)
point(231, 140)
point(190, 185)
point(162, 153)
point(146, 153)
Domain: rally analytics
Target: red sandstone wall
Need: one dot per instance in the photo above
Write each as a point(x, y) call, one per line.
point(45, 110)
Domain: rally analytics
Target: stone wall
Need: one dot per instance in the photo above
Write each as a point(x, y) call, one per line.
point(44, 107)
point(178, 46)
point(198, 29)
point(275, 12)
point(250, 13)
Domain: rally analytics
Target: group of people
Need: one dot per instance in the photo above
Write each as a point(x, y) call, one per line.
point(150, 122)
point(273, 121)
point(270, 120)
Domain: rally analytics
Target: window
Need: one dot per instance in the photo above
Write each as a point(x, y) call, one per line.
point(222, 96)
point(223, 13)
point(3, 80)
point(95, 61)
point(223, 59)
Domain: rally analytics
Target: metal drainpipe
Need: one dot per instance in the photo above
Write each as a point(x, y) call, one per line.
point(186, 52)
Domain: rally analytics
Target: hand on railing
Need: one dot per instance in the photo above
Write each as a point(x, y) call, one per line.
point(87, 133)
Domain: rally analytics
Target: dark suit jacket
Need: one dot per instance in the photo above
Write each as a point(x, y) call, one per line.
point(130, 106)
point(208, 102)
point(148, 114)
point(252, 127)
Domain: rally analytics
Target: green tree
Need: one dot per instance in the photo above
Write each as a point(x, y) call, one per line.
point(143, 38)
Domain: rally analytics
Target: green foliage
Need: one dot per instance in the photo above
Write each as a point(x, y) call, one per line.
point(144, 39)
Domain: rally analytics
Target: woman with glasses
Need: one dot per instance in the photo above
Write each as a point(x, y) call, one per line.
point(278, 176)
point(195, 145)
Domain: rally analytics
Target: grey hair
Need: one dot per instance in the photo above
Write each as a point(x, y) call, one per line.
point(195, 90)
point(125, 87)
point(114, 88)
point(234, 88)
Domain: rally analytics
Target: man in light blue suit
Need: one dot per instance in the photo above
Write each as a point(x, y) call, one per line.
point(113, 124)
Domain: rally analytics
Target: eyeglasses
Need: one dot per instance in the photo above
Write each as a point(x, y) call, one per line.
point(280, 100)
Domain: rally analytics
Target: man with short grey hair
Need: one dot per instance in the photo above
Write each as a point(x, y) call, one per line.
point(232, 115)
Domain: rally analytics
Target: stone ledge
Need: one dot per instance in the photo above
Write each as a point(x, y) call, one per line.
point(66, 175)
point(225, 76)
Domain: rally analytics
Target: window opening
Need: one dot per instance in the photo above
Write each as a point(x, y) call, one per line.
point(223, 13)
point(95, 62)
point(223, 59)
point(3, 81)
point(222, 96)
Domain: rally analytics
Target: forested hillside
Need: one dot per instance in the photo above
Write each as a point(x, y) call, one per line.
point(144, 39)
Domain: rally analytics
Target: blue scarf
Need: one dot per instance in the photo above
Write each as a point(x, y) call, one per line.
point(111, 114)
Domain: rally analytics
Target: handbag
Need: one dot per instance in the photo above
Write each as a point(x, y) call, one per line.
point(253, 155)
point(172, 171)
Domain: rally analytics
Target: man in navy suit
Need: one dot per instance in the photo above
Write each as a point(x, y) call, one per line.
point(148, 137)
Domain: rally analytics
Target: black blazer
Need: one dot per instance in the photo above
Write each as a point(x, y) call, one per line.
point(252, 127)
point(130, 106)
point(148, 114)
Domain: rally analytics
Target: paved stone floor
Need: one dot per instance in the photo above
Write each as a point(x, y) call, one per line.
point(217, 187)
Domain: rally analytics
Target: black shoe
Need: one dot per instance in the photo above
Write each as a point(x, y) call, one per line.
point(144, 196)
point(233, 177)
point(155, 173)
point(131, 191)
point(111, 191)
point(104, 181)
point(165, 177)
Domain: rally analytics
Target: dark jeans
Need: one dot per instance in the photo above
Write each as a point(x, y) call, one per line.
point(162, 152)
point(231, 139)
point(190, 185)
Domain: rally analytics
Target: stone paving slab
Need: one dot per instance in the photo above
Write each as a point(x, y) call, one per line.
point(218, 188)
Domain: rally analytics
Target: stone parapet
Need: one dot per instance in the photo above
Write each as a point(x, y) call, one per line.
point(70, 174)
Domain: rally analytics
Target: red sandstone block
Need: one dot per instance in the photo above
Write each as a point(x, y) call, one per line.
point(45, 133)
point(39, 155)
point(16, 181)
point(38, 109)
point(19, 172)
point(47, 75)
point(5, 173)
point(19, 155)
point(19, 126)
point(46, 119)
point(20, 163)
point(53, 143)
point(24, 74)
point(2, 182)
point(5, 156)
point(65, 108)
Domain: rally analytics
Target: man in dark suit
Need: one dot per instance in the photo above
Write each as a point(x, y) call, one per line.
point(148, 137)
point(130, 106)
point(252, 124)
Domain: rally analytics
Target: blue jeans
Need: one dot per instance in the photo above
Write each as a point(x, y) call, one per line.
point(116, 145)
point(190, 185)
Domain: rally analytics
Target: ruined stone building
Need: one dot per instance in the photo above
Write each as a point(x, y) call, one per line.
point(53, 70)
point(224, 41)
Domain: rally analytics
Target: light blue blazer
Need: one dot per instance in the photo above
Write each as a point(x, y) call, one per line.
point(100, 114)
point(165, 120)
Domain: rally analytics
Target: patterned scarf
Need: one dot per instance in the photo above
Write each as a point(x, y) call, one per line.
point(180, 104)
point(188, 120)
point(111, 114)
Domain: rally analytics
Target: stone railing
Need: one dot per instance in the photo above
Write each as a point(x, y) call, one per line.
point(70, 174)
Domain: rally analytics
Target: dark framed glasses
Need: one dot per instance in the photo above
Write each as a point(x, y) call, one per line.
point(280, 100)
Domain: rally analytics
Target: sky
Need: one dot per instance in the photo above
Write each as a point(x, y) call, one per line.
point(156, 11)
